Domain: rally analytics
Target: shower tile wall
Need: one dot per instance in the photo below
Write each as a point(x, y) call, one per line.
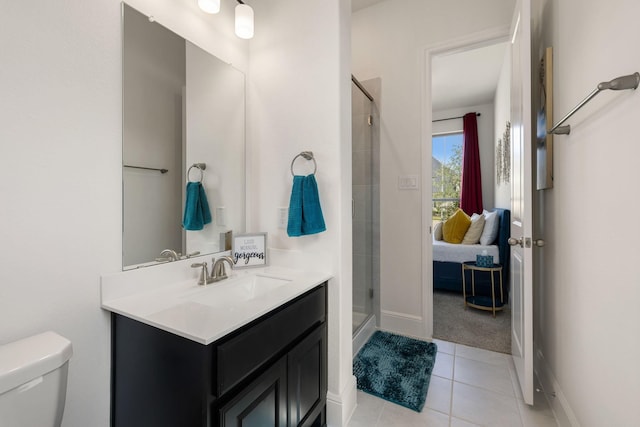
point(366, 253)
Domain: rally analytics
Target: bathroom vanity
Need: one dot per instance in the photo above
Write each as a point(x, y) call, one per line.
point(249, 352)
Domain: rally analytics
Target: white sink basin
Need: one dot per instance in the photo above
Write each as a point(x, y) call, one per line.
point(238, 289)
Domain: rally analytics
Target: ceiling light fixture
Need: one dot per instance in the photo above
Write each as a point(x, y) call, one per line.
point(244, 20)
point(209, 6)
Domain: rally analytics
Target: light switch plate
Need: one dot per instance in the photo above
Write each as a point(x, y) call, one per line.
point(408, 182)
point(221, 216)
point(283, 217)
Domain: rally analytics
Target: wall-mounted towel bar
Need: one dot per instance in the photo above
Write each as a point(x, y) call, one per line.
point(151, 169)
point(621, 83)
point(452, 118)
point(307, 155)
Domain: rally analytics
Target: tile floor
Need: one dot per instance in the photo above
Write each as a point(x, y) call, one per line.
point(469, 387)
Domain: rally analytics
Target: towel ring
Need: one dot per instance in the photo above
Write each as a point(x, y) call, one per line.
point(307, 155)
point(201, 167)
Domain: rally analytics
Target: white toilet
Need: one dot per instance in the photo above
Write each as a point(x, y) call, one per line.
point(33, 381)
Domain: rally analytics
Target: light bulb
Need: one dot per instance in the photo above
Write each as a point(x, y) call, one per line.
point(244, 21)
point(209, 6)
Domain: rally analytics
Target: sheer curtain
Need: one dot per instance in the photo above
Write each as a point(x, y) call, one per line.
point(471, 186)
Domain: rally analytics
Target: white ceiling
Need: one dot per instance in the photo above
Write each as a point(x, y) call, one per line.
point(463, 78)
point(466, 78)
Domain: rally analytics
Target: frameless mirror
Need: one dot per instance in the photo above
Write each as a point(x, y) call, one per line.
point(181, 106)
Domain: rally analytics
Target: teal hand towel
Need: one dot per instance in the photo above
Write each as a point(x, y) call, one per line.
point(294, 226)
point(305, 212)
point(196, 208)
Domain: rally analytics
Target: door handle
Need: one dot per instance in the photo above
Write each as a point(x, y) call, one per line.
point(515, 242)
point(539, 243)
point(521, 242)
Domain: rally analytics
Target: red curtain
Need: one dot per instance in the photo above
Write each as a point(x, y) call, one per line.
point(471, 185)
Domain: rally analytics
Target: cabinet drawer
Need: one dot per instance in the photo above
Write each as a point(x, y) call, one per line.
point(239, 357)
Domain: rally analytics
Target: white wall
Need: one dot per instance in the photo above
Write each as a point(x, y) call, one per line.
point(299, 100)
point(60, 172)
point(388, 41)
point(502, 114)
point(485, 142)
point(588, 323)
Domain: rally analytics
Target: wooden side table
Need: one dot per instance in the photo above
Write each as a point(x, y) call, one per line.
point(482, 302)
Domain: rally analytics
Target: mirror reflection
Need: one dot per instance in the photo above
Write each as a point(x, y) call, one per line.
point(181, 106)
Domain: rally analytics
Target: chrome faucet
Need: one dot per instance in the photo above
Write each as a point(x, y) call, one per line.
point(218, 271)
point(170, 255)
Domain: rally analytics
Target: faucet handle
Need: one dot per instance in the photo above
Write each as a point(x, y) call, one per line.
point(204, 273)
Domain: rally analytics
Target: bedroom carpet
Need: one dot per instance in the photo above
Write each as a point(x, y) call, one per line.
point(472, 327)
point(395, 368)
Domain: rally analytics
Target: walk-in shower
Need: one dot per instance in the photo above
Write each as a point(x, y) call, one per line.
point(365, 213)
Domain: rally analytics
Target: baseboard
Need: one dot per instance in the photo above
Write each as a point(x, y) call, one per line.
point(550, 386)
point(363, 334)
point(340, 408)
point(403, 324)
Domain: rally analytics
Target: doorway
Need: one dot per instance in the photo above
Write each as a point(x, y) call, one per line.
point(465, 78)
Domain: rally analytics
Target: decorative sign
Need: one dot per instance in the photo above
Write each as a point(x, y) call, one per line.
point(249, 250)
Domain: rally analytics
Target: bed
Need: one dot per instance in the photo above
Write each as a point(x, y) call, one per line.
point(447, 259)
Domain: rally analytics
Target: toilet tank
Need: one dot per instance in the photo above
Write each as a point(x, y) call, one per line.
point(33, 380)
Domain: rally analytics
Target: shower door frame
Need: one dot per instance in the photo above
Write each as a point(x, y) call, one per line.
point(370, 294)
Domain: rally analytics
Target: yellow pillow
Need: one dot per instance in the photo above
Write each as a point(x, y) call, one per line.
point(454, 229)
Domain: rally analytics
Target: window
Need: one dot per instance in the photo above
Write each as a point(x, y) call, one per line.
point(446, 160)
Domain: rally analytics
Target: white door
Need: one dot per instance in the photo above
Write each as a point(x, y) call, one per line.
point(521, 200)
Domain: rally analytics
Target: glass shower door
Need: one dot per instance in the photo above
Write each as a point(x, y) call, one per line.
point(362, 212)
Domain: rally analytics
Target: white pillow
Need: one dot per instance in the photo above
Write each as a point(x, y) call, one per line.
point(491, 224)
point(475, 230)
point(437, 231)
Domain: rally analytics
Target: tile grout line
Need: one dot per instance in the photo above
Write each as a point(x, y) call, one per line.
point(453, 375)
point(480, 387)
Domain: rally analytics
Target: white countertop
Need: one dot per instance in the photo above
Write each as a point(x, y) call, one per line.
point(205, 314)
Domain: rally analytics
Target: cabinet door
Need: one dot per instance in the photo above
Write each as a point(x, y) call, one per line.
point(262, 403)
point(158, 378)
point(308, 379)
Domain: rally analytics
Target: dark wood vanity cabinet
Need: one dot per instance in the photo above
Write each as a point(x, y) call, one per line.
point(271, 372)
